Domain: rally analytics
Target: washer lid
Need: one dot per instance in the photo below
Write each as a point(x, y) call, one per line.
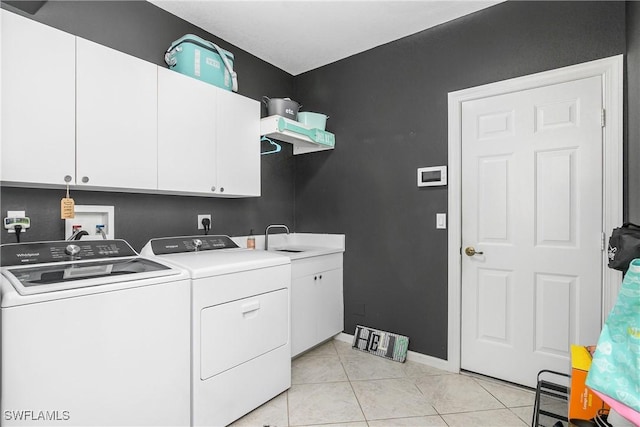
point(35, 268)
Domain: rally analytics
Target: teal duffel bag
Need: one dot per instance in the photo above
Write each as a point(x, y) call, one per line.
point(615, 369)
point(201, 59)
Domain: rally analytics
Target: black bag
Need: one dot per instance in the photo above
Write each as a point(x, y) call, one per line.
point(624, 246)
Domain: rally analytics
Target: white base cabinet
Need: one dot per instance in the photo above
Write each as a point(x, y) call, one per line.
point(317, 310)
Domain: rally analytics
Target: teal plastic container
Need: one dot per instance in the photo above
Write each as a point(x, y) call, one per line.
point(313, 120)
point(202, 60)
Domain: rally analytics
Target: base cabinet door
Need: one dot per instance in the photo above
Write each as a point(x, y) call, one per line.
point(330, 319)
point(38, 102)
point(303, 314)
point(317, 309)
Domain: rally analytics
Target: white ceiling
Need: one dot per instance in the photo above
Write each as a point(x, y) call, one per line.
point(300, 35)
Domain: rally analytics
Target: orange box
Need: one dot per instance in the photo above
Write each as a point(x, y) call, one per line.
point(583, 403)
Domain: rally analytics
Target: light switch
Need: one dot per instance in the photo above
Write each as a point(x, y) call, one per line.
point(441, 220)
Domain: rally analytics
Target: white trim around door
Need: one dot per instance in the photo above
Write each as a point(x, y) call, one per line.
point(611, 72)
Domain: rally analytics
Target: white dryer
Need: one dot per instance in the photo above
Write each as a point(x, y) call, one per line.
point(241, 350)
point(92, 335)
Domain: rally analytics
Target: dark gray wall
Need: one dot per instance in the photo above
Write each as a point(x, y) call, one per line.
point(632, 119)
point(388, 109)
point(146, 31)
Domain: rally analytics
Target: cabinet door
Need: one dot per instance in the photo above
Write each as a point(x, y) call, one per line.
point(38, 102)
point(303, 314)
point(116, 119)
point(238, 149)
point(186, 133)
point(330, 304)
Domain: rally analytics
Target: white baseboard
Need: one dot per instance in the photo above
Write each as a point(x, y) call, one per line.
point(344, 338)
point(434, 362)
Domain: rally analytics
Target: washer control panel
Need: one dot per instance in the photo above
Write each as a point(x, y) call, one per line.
point(12, 254)
point(175, 245)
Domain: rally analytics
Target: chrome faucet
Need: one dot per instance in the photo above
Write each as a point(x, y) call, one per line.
point(266, 233)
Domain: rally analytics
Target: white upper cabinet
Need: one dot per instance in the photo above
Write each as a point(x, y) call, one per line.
point(238, 145)
point(186, 133)
point(208, 138)
point(102, 119)
point(116, 119)
point(38, 102)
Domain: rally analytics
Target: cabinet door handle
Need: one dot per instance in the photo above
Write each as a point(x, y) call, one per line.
point(321, 277)
point(213, 188)
point(222, 189)
point(67, 178)
point(85, 179)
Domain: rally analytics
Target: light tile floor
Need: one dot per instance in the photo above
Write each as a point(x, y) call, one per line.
point(334, 385)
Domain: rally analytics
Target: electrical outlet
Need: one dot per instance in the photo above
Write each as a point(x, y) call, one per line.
point(16, 218)
point(200, 218)
point(11, 223)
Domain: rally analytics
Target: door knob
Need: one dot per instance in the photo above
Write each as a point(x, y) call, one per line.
point(470, 251)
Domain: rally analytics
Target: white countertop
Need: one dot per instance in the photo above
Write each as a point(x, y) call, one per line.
point(309, 244)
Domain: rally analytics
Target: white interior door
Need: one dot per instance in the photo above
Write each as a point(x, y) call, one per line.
point(532, 209)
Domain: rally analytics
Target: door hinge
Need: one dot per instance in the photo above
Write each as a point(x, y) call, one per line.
point(603, 118)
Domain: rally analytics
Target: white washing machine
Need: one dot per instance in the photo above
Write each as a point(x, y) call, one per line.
point(91, 334)
point(241, 350)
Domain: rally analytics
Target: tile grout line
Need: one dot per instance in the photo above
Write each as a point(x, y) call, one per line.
point(344, 358)
point(480, 381)
point(351, 385)
point(476, 380)
point(405, 377)
point(288, 414)
point(489, 391)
